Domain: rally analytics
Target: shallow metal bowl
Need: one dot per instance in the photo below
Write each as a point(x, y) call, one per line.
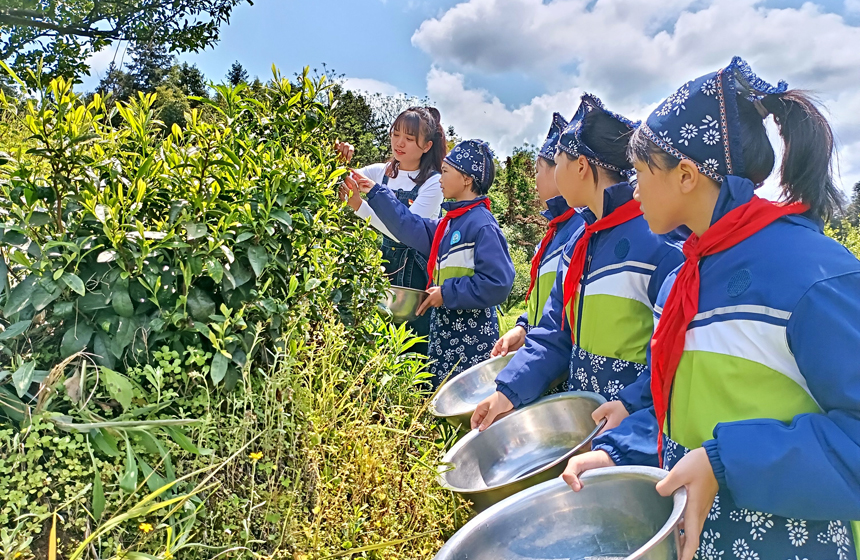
point(458, 398)
point(617, 514)
point(402, 303)
point(528, 447)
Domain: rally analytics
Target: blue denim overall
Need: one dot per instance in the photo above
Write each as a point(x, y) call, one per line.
point(407, 267)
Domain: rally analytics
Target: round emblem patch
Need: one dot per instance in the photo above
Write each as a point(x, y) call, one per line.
point(455, 237)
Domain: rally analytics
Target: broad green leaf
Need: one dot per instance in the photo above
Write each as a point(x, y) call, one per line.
point(259, 258)
point(14, 330)
point(153, 480)
point(77, 338)
point(312, 284)
point(120, 300)
point(294, 285)
point(283, 217)
point(118, 386)
point(123, 336)
point(107, 256)
point(182, 440)
point(20, 296)
point(73, 282)
point(23, 376)
point(44, 293)
point(244, 236)
point(200, 305)
point(214, 268)
point(218, 367)
point(241, 274)
point(228, 253)
point(101, 349)
point(195, 231)
point(98, 495)
point(105, 442)
point(12, 406)
point(93, 301)
point(128, 482)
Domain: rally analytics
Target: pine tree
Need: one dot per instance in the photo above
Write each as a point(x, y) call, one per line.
point(237, 74)
point(150, 64)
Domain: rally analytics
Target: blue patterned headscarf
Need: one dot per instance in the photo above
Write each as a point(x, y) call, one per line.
point(701, 121)
point(550, 145)
point(571, 141)
point(474, 158)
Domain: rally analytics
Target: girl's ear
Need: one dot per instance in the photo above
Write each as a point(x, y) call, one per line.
point(583, 167)
point(688, 175)
point(428, 145)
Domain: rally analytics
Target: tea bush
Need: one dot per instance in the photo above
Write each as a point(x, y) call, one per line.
point(191, 313)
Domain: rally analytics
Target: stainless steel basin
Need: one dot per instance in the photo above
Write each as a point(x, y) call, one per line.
point(458, 398)
point(402, 303)
point(617, 514)
point(530, 446)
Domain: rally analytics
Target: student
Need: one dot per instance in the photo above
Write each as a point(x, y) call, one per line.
point(418, 146)
point(597, 325)
point(469, 263)
point(754, 361)
point(563, 222)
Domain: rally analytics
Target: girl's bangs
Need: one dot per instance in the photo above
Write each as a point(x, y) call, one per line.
point(408, 123)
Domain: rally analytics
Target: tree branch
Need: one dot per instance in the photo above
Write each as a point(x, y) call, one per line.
point(7, 19)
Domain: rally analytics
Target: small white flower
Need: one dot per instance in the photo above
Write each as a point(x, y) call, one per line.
point(711, 137)
point(688, 132)
point(797, 532)
point(709, 87)
point(712, 164)
point(664, 136)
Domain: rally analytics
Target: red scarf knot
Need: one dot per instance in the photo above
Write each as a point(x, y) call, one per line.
point(440, 233)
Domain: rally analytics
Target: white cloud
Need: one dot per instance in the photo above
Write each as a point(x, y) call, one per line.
point(852, 6)
point(370, 85)
point(632, 53)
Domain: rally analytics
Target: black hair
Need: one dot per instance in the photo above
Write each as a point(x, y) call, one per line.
point(806, 174)
point(425, 124)
point(550, 162)
point(607, 136)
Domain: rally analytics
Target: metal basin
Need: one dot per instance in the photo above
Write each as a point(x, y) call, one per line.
point(458, 398)
point(617, 514)
point(402, 303)
point(530, 446)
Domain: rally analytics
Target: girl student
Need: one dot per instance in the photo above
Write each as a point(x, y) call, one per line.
point(563, 222)
point(596, 327)
point(469, 265)
point(412, 175)
point(755, 376)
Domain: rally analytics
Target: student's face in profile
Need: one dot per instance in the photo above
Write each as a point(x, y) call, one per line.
point(455, 185)
point(659, 197)
point(408, 148)
point(574, 180)
point(545, 180)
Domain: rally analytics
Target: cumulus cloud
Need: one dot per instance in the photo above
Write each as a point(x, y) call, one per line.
point(633, 53)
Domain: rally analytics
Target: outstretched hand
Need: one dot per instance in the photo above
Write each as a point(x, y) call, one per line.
point(433, 300)
point(695, 472)
point(357, 181)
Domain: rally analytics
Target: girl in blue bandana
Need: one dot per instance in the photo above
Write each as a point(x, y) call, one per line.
point(412, 175)
point(754, 360)
point(595, 329)
point(470, 269)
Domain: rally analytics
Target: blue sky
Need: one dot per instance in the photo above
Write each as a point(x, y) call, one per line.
point(497, 69)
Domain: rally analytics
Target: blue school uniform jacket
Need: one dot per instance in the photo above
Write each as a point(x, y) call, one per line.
point(556, 206)
point(769, 382)
point(473, 266)
point(625, 267)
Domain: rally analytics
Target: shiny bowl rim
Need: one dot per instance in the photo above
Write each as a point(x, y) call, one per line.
point(449, 380)
point(407, 290)
point(465, 440)
point(679, 502)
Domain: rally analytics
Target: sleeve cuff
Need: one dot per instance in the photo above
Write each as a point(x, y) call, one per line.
point(374, 191)
point(506, 391)
point(523, 321)
point(717, 466)
point(609, 450)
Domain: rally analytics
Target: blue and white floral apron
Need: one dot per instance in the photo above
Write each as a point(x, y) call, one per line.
point(459, 339)
point(732, 533)
point(599, 374)
point(406, 267)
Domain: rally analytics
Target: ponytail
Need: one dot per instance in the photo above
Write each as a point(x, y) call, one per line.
point(425, 124)
point(806, 174)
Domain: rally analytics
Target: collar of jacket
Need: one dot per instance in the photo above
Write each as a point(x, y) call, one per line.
point(735, 191)
point(555, 207)
point(615, 196)
point(448, 206)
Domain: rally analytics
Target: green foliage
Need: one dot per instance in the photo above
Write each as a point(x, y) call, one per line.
point(64, 35)
point(847, 234)
point(237, 74)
